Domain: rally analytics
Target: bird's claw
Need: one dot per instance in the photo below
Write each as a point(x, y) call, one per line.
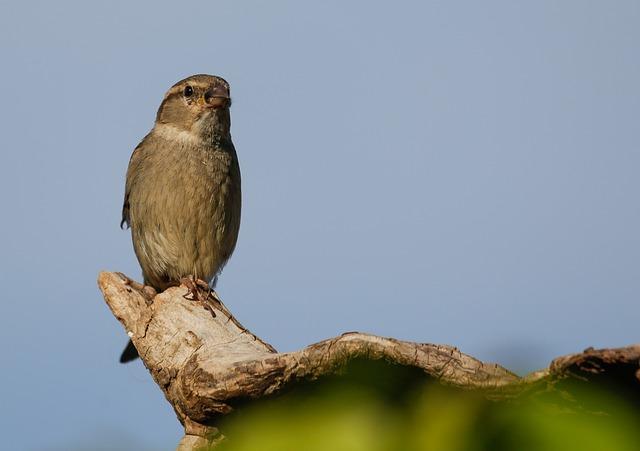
point(200, 291)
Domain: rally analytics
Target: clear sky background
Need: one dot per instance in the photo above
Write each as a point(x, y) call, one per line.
point(454, 172)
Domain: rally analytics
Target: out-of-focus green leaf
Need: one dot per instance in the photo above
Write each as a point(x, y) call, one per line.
point(373, 409)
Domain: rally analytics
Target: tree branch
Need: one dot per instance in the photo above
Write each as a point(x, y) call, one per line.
point(206, 363)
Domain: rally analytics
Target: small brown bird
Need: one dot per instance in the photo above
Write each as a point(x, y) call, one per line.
point(182, 196)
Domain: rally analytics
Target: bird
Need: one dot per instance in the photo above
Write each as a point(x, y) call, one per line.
point(182, 197)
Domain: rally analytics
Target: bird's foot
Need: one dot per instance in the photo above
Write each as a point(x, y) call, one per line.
point(199, 291)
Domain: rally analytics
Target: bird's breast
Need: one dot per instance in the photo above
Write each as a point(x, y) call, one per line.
point(186, 210)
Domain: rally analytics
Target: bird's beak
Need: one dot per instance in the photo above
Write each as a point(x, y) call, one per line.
point(217, 97)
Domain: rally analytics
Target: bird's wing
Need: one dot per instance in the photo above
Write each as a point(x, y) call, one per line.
point(134, 164)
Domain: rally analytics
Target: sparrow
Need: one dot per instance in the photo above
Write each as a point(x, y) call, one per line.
point(182, 196)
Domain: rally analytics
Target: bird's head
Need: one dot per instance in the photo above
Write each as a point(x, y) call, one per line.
point(199, 105)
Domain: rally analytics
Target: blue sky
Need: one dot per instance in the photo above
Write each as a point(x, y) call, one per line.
point(452, 172)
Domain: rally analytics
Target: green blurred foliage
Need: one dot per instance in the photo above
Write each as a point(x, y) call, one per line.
point(383, 408)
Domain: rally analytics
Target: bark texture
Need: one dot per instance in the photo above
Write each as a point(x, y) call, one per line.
point(206, 363)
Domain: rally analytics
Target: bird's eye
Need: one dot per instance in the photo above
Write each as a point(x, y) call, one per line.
point(188, 91)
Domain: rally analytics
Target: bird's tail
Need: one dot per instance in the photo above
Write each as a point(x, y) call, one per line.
point(130, 353)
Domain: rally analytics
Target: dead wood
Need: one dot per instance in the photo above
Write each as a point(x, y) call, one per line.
point(206, 363)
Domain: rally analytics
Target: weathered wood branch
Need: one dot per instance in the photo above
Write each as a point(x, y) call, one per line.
point(206, 363)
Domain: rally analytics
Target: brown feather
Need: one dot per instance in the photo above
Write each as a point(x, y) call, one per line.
point(183, 197)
